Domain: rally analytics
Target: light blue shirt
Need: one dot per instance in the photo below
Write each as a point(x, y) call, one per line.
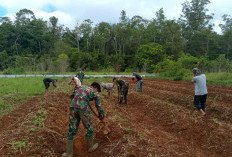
point(200, 84)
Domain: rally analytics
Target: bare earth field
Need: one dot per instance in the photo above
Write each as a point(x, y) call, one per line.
point(161, 121)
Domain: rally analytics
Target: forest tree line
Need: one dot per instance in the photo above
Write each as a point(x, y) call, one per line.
point(29, 44)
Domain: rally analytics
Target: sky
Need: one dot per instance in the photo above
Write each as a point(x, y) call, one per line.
point(71, 12)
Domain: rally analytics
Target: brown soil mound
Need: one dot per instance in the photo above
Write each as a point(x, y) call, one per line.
point(161, 121)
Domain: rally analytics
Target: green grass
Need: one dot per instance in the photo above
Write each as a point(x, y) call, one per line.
point(21, 85)
point(14, 91)
point(223, 79)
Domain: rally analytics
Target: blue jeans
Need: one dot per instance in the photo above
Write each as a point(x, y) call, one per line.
point(139, 83)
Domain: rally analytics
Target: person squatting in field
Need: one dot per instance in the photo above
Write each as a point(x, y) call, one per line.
point(200, 97)
point(80, 111)
point(81, 75)
point(47, 82)
point(139, 82)
point(123, 87)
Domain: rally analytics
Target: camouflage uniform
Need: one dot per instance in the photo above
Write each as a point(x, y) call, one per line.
point(123, 87)
point(79, 111)
point(80, 75)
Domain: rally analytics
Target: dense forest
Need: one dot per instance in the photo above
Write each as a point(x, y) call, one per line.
point(29, 44)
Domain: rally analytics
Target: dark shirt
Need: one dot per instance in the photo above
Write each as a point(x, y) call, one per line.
point(138, 77)
point(49, 80)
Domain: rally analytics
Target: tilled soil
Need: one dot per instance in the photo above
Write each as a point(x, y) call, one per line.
point(160, 121)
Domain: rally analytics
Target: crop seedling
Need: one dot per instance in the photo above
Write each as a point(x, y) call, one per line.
point(126, 137)
point(141, 136)
point(39, 119)
point(17, 146)
point(128, 128)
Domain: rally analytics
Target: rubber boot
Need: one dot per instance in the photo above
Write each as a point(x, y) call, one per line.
point(125, 100)
point(91, 147)
point(69, 149)
point(120, 101)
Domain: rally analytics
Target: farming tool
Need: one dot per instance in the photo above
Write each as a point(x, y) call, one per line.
point(103, 127)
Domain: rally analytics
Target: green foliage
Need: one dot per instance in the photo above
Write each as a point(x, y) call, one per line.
point(187, 61)
point(14, 91)
point(28, 44)
point(171, 69)
point(149, 55)
point(9, 71)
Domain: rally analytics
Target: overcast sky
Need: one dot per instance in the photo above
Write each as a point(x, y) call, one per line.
point(69, 12)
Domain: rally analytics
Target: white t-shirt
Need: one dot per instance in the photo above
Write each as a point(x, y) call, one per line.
point(200, 84)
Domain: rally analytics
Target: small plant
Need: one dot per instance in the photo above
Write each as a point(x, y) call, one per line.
point(126, 137)
point(42, 103)
point(128, 128)
point(17, 146)
point(33, 129)
point(141, 136)
point(39, 119)
point(121, 119)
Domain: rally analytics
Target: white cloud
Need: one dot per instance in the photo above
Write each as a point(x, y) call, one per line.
point(70, 11)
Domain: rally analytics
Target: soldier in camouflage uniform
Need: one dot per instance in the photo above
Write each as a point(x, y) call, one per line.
point(123, 87)
point(81, 75)
point(80, 111)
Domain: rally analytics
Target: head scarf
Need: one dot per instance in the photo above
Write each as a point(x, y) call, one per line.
point(197, 71)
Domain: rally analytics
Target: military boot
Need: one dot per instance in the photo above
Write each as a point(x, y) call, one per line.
point(125, 100)
point(120, 101)
point(69, 149)
point(91, 147)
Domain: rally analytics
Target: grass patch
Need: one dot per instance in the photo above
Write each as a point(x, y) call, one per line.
point(14, 91)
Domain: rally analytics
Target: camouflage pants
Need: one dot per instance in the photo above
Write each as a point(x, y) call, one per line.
point(75, 116)
point(123, 93)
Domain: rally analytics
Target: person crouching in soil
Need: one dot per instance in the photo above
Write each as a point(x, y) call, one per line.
point(200, 97)
point(80, 111)
point(47, 82)
point(123, 87)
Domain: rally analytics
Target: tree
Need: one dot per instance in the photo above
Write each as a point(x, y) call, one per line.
point(174, 43)
point(194, 20)
point(86, 32)
point(227, 36)
point(149, 55)
point(102, 36)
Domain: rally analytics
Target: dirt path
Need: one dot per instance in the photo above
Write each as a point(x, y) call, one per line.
point(161, 121)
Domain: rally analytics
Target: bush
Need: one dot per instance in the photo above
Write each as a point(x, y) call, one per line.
point(10, 71)
point(176, 72)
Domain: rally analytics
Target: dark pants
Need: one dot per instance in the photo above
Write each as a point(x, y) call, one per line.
point(199, 101)
point(123, 93)
point(46, 83)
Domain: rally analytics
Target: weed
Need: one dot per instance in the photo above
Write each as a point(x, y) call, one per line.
point(121, 119)
point(126, 137)
point(33, 129)
point(17, 146)
point(141, 136)
point(39, 119)
point(42, 103)
point(128, 128)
